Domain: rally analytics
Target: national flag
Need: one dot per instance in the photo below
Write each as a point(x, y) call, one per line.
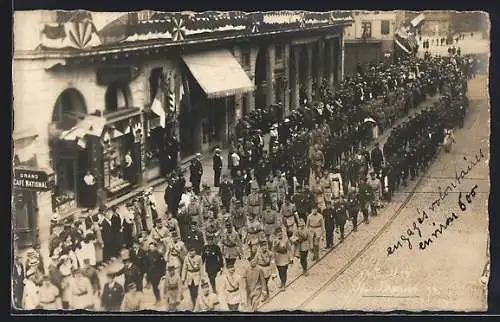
point(156, 106)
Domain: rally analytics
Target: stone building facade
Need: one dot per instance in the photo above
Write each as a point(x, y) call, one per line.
point(94, 97)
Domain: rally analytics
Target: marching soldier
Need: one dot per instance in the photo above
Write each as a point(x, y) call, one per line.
point(340, 216)
point(226, 192)
point(319, 196)
point(234, 286)
point(238, 216)
point(326, 185)
point(316, 225)
point(254, 228)
point(374, 184)
point(364, 198)
point(191, 273)
point(329, 218)
point(196, 171)
point(172, 288)
point(269, 220)
point(263, 257)
point(271, 190)
point(176, 251)
point(194, 211)
point(377, 158)
point(283, 255)
point(231, 245)
point(352, 205)
point(255, 202)
point(212, 258)
point(194, 239)
point(212, 229)
point(172, 224)
point(302, 245)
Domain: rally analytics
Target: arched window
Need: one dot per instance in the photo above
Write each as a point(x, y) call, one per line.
point(117, 97)
point(69, 108)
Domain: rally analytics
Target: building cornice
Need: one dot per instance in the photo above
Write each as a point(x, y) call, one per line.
point(156, 45)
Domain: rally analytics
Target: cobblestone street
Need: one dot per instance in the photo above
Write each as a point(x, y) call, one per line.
point(444, 276)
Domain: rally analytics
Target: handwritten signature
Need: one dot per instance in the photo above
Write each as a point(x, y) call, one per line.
point(423, 216)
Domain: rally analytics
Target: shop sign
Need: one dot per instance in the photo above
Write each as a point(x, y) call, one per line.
point(32, 179)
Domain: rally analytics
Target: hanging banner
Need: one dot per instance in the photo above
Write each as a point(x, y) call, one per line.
point(32, 179)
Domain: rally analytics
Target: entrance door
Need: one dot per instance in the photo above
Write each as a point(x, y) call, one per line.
point(24, 217)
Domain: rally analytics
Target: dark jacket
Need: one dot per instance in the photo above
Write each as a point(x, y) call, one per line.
point(217, 162)
point(139, 259)
point(112, 297)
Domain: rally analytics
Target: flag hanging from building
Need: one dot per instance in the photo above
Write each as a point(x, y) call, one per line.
point(405, 42)
point(157, 107)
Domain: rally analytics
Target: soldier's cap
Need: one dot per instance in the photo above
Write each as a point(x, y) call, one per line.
point(204, 283)
point(229, 265)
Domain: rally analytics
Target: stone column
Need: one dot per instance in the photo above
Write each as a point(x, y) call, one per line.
point(295, 78)
point(342, 49)
point(251, 95)
point(309, 78)
point(286, 89)
point(331, 65)
point(271, 83)
point(321, 65)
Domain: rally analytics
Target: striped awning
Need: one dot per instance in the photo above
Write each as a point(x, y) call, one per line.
point(218, 73)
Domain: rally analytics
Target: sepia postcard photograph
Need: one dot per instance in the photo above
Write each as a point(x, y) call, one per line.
point(257, 161)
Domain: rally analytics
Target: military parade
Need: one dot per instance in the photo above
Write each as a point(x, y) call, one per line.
point(270, 207)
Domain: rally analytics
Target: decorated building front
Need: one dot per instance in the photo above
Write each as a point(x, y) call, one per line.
point(114, 102)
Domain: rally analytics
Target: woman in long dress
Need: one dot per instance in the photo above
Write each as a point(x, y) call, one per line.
point(98, 242)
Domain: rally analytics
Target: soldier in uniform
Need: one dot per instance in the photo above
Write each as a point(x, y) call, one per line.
point(238, 216)
point(319, 196)
point(302, 245)
point(283, 255)
point(374, 184)
point(263, 257)
point(82, 292)
point(254, 228)
point(226, 192)
point(340, 216)
point(207, 300)
point(212, 258)
point(196, 171)
point(155, 264)
point(231, 244)
point(194, 212)
point(212, 229)
point(234, 287)
point(172, 288)
point(364, 198)
point(272, 189)
point(176, 251)
point(316, 225)
point(377, 158)
point(254, 202)
point(326, 185)
point(329, 218)
point(191, 273)
point(352, 205)
point(270, 221)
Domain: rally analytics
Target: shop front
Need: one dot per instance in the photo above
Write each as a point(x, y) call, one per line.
point(26, 182)
point(209, 115)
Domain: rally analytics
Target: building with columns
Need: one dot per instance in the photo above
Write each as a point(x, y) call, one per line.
point(96, 95)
